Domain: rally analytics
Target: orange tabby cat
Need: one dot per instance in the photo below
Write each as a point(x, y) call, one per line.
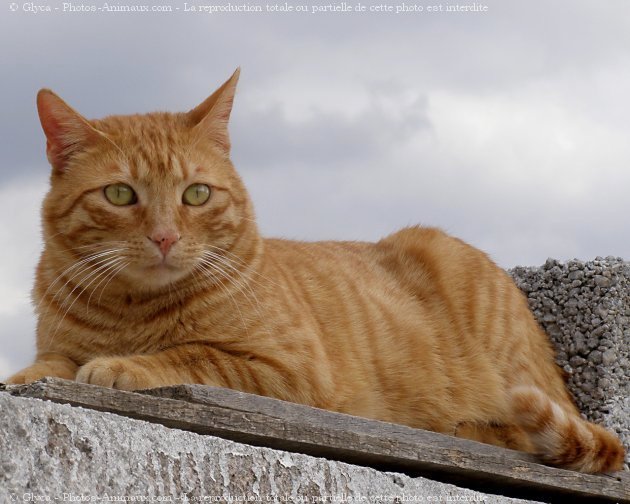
point(154, 273)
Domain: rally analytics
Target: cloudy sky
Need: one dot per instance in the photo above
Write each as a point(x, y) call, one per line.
point(508, 128)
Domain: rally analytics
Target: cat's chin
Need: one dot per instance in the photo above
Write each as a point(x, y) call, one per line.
point(156, 277)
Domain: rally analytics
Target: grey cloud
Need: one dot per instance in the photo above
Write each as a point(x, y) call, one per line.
point(267, 139)
point(125, 64)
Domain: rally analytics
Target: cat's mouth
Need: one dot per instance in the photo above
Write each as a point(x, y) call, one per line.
point(165, 262)
point(160, 273)
point(163, 268)
point(161, 263)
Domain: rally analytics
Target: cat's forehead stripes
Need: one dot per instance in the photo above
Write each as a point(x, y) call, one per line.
point(153, 144)
point(144, 164)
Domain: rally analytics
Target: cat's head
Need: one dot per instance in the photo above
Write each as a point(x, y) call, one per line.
point(149, 199)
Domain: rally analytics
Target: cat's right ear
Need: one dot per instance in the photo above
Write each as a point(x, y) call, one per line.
point(67, 131)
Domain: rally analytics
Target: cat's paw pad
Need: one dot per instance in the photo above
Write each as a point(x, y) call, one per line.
point(115, 372)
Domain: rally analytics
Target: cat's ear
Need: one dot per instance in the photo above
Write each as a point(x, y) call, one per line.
point(211, 118)
point(67, 131)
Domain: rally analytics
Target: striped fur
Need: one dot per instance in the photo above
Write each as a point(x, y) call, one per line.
point(562, 438)
point(419, 328)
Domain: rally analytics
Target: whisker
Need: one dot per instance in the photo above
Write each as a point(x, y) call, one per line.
point(249, 219)
point(98, 272)
point(47, 239)
point(86, 265)
point(83, 266)
point(226, 262)
point(233, 257)
point(122, 267)
point(107, 274)
point(95, 246)
point(170, 293)
point(209, 270)
point(245, 288)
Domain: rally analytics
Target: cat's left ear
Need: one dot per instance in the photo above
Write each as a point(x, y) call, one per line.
point(210, 119)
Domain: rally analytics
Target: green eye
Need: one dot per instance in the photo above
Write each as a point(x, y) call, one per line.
point(196, 194)
point(120, 194)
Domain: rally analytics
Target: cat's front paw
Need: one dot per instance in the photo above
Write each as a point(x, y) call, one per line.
point(27, 375)
point(61, 368)
point(116, 372)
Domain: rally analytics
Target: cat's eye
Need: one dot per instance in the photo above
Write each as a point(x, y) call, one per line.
point(196, 194)
point(120, 194)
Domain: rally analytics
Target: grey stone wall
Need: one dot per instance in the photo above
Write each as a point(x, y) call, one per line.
point(585, 309)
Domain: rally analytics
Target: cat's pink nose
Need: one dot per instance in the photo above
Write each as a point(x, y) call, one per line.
point(165, 239)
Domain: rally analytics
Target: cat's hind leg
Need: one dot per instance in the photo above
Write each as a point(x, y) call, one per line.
point(506, 436)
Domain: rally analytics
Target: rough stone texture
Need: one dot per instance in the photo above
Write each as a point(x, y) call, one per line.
point(585, 309)
point(50, 450)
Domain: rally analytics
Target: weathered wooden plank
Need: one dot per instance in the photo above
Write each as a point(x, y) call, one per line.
point(280, 425)
point(458, 450)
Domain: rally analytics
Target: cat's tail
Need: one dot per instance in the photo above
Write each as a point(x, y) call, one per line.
point(563, 438)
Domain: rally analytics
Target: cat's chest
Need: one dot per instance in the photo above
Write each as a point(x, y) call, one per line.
point(128, 325)
point(144, 330)
point(132, 329)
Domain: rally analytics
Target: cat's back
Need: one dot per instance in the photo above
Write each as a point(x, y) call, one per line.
point(417, 279)
point(306, 258)
point(422, 256)
point(327, 276)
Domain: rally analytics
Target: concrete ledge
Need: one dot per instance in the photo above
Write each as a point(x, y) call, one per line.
point(50, 450)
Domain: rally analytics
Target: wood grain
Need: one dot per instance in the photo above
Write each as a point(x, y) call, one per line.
point(281, 425)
